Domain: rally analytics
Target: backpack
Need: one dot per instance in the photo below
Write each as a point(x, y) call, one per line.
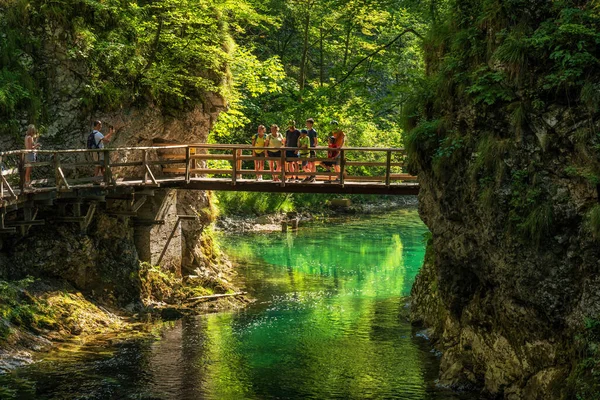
point(91, 141)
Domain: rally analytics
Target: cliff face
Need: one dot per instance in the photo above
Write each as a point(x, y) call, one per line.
point(507, 311)
point(508, 168)
point(76, 65)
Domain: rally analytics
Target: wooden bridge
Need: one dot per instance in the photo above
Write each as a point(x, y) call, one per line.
point(60, 175)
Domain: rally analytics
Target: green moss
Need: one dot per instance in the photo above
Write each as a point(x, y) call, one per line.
point(166, 286)
point(422, 143)
point(538, 223)
point(50, 309)
point(489, 158)
point(592, 221)
point(585, 377)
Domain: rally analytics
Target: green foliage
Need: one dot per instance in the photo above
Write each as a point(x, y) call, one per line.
point(487, 87)
point(168, 52)
point(447, 154)
point(248, 203)
point(422, 142)
point(592, 222)
point(583, 172)
point(585, 378)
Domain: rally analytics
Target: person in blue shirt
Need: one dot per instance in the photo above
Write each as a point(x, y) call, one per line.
point(99, 140)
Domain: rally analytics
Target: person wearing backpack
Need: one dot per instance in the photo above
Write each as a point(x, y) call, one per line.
point(259, 140)
point(96, 140)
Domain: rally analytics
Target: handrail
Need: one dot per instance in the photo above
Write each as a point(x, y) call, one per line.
point(203, 146)
point(150, 165)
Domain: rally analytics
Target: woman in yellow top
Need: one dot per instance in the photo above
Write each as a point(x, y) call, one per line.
point(258, 140)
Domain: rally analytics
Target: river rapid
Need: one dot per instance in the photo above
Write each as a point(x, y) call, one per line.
point(329, 322)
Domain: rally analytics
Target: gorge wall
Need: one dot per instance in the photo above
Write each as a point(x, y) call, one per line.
point(505, 140)
point(87, 61)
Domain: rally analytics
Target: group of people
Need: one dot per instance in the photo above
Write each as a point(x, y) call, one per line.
point(96, 140)
point(299, 145)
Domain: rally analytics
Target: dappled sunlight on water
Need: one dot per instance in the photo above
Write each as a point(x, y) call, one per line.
point(329, 322)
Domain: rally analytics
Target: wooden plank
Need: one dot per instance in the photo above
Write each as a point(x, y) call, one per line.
point(83, 164)
point(38, 164)
point(26, 223)
point(388, 169)
point(128, 164)
point(234, 172)
point(149, 171)
point(8, 187)
point(148, 222)
point(61, 174)
point(365, 178)
point(403, 177)
point(187, 164)
point(342, 166)
point(212, 157)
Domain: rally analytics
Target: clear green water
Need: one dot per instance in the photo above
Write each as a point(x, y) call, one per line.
point(329, 323)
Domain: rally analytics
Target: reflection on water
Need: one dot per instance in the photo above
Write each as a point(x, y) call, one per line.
point(328, 323)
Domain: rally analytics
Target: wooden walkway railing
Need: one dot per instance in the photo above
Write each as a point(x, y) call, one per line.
point(201, 167)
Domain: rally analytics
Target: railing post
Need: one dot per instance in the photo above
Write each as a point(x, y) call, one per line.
point(22, 172)
point(234, 170)
point(282, 165)
point(145, 165)
point(107, 170)
point(388, 167)
point(187, 164)
point(57, 178)
point(1, 182)
point(342, 166)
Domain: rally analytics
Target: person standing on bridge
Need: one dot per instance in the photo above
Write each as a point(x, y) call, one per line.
point(258, 140)
point(304, 144)
point(291, 140)
point(312, 135)
point(340, 140)
point(30, 144)
point(274, 144)
point(96, 140)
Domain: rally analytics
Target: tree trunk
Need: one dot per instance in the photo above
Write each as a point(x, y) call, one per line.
point(347, 44)
point(321, 66)
point(302, 77)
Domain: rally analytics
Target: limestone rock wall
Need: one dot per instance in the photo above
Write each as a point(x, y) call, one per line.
point(505, 309)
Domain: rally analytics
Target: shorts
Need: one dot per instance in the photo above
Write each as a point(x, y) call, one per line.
point(98, 156)
point(30, 158)
point(274, 153)
point(260, 154)
point(291, 154)
point(313, 154)
point(330, 163)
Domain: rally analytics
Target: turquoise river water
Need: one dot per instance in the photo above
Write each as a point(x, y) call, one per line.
point(329, 323)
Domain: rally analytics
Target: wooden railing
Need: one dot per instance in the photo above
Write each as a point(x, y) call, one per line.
point(67, 169)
